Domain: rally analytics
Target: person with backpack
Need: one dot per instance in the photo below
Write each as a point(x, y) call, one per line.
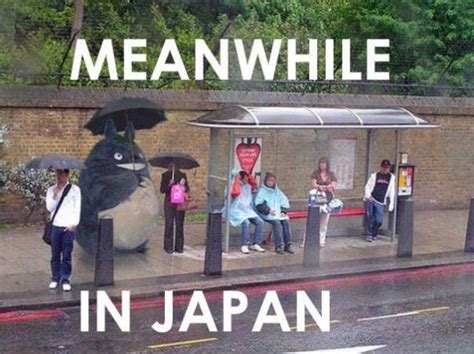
point(379, 188)
point(174, 185)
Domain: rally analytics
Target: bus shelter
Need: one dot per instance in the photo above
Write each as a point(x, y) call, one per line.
point(289, 140)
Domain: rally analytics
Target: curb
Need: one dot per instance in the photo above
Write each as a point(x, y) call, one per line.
point(155, 287)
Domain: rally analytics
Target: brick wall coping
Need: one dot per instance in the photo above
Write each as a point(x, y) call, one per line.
point(94, 98)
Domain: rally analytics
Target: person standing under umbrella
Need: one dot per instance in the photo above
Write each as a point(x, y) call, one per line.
point(174, 218)
point(66, 219)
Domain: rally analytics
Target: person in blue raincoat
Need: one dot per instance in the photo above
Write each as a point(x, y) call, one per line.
point(242, 212)
point(273, 205)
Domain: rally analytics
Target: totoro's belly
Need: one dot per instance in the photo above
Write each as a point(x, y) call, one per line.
point(135, 219)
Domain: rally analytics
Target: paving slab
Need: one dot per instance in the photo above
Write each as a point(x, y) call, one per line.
point(24, 260)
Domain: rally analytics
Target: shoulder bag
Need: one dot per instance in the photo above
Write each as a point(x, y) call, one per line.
point(48, 227)
point(189, 204)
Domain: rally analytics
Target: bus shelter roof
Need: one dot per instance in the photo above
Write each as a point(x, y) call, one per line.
point(275, 117)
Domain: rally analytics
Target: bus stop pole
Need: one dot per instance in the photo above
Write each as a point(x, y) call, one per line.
point(469, 244)
point(394, 215)
point(229, 190)
point(370, 148)
point(211, 167)
point(370, 158)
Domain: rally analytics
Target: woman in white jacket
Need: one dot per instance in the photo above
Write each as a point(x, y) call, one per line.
point(379, 188)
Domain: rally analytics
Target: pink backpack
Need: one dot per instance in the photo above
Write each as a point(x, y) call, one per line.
point(178, 193)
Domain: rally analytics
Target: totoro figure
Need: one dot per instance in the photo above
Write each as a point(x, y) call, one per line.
point(115, 184)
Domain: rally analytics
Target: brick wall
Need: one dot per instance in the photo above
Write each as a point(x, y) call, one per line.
point(444, 156)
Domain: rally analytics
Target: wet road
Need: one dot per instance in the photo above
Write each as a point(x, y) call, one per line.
point(429, 310)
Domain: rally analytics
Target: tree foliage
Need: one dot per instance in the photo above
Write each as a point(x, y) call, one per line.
point(31, 185)
point(432, 41)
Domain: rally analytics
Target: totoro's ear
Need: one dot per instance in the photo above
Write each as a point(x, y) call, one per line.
point(110, 130)
point(130, 132)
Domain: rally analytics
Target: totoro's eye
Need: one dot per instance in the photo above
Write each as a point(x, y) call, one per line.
point(118, 156)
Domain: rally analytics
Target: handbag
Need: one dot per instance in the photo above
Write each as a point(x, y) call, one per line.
point(335, 204)
point(321, 197)
point(189, 204)
point(48, 227)
point(177, 194)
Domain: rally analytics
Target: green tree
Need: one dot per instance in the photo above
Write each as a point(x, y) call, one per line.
point(431, 40)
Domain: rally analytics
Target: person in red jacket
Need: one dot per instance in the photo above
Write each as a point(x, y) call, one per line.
point(242, 178)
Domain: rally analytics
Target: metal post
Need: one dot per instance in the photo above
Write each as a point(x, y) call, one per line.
point(370, 148)
point(229, 190)
point(469, 245)
point(211, 183)
point(405, 232)
point(393, 225)
point(104, 259)
point(213, 257)
point(312, 247)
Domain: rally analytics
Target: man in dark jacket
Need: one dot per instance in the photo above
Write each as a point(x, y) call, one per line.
point(172, 215)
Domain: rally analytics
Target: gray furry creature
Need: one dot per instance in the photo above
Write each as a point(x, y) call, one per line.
point(116, 185)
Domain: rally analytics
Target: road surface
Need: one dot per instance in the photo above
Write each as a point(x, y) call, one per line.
point(428, 310)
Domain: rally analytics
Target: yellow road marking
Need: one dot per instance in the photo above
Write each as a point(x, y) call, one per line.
point(309, 325)
point(184, 342)
point(441, 308)
point(401, 314)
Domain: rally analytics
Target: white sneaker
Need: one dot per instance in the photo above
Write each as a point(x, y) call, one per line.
point(302, 245)
point(66, 286)
point(245, 249)
point(53, 285)
point(257, 248)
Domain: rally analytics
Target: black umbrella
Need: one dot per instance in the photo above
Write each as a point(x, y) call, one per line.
point(55, 162)
point(143, 113)
point(181, 161)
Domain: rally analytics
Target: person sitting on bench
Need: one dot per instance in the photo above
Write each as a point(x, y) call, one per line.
point(272, 205)
point(242, 213)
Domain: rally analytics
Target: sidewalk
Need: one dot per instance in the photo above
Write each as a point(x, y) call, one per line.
point(24, 261)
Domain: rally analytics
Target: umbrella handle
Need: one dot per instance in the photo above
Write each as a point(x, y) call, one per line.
point(130, 141)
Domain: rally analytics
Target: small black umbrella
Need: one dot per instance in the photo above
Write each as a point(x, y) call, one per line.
point(181, 161)
point(143, 113)
point(55, 162)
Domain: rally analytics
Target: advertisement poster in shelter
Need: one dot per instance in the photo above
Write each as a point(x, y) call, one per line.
point(342, 160)
point(248, 156)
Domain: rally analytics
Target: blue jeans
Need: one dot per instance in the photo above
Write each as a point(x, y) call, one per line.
point(280, 227)
point(62, 243)
point(374, 217)
point(258, 235)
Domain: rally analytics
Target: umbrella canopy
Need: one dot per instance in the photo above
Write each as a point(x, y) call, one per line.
point(55, 162)
point(143, 113)
point(181, 161)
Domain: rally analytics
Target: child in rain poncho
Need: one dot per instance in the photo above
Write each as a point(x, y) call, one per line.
point(272, 204)
point(242, 214)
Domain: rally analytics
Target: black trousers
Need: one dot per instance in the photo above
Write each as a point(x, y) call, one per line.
point(173, 237)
